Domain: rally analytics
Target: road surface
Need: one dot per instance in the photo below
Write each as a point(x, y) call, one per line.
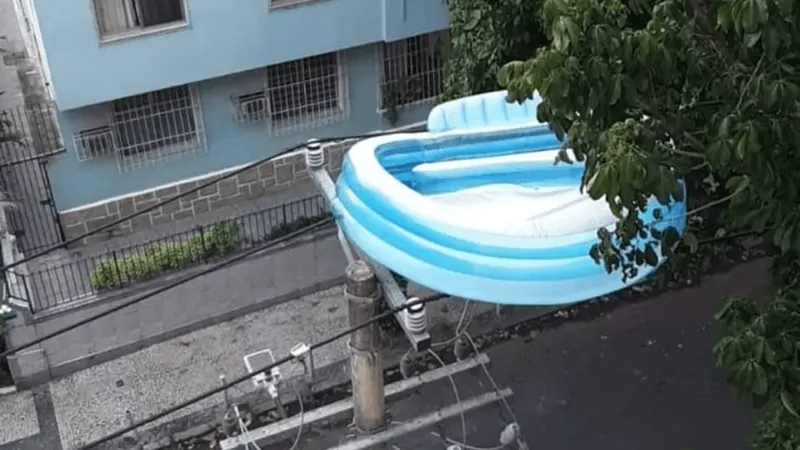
point(640, 377)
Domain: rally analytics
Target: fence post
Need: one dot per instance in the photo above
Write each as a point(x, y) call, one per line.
point(116, 267)
point(203, 249)
point(28, 295)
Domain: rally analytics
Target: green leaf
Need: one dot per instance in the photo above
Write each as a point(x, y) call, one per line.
point(741, 147)
point(474, 20)
point(786, 401)
point(616, 92)
point(751, 39)
point(650, 256)
point(760, 381)
point(690, 239)
point(725, 128)
point(724, 19)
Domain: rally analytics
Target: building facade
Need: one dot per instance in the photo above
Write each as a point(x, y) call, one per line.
point(156, 96)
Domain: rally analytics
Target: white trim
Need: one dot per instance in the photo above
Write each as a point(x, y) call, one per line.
point(212, 174)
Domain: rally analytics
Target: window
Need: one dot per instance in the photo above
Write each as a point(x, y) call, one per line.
point(250, 108)
point(411, 70)
point(93, 143)
point(309, 91)
point(115, 17)
point(146, 129)
point(156, 126)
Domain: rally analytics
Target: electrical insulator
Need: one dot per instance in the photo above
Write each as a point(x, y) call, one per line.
point(415, 316)
point(315, 156)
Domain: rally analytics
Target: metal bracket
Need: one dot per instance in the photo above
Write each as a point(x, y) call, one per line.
point(277, 431)
point(420, 340)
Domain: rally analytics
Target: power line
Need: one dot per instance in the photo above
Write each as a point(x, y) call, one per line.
point(163, 289)
point(277, 362)
point(214, 180)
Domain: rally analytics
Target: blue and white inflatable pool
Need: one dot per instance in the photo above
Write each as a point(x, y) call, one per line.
point(475, 207)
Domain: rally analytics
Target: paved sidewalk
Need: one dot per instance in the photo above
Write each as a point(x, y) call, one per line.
point(95, 402)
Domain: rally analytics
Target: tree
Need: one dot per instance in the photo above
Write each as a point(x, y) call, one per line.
point(485, 34)
point(704, 92)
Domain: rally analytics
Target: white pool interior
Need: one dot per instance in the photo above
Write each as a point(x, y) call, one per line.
point(515, 209)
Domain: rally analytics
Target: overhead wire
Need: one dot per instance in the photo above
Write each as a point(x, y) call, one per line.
point(180, 281)
point(267, 368)
point(165, 288)
point(180, 195)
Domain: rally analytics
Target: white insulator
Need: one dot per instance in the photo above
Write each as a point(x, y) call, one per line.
point(510, 434)
point(315, 156)
point(416, 317)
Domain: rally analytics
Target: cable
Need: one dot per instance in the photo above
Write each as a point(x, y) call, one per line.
point(163, 289)
point(457, 395)
point(491, 378)
point(212, 181)
point(460, 327)
point(302, 417)
point(245, 432)
point(267, 368)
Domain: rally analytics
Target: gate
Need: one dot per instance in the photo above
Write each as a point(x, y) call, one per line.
point(24, 179)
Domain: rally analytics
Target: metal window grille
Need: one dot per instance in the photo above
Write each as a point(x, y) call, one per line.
point(250, 108)
point(93, 143)
point(157, 126)
point(307, 93)
point(116, 17)
point(411, 70)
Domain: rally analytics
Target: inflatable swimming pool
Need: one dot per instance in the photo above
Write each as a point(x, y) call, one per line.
point(475, 207)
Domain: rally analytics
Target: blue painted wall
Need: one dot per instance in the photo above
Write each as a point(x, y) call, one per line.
point(222, 37)
point(77, 183)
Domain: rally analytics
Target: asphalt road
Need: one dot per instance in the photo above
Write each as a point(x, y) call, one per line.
point(638, 378)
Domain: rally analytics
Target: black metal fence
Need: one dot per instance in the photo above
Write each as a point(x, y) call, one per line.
point(29, 138)
point(118, 268)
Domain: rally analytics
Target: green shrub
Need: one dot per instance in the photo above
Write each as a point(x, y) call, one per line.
point(154, 259)
point(220, 240)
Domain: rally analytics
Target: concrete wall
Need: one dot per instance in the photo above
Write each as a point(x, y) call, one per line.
point(229, 143)
point(218, 39)
point(307, 265)
point(28, 23)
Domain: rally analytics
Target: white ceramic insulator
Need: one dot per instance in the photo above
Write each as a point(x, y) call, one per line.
point(416, 317)
point(315, 157)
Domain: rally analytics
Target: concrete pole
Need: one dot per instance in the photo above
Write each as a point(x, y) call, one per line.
point(366, 363)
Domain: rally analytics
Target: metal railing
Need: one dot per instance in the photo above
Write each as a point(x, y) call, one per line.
point(411, 70)
point(82, 279)
point(28, 132)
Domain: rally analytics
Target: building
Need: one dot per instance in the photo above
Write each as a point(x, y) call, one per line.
point(156, 95)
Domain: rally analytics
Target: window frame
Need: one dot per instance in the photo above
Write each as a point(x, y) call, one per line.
point(105, 38)
point(307, 119)
point(437, 38)
point(121, 124)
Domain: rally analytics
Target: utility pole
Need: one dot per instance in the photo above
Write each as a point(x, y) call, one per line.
point(366, 363)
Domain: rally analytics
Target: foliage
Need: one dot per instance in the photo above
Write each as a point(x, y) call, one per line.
point(154, 259)
point(704, 91)
point(400, 92)
point(220, 240)
point(484, 34)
